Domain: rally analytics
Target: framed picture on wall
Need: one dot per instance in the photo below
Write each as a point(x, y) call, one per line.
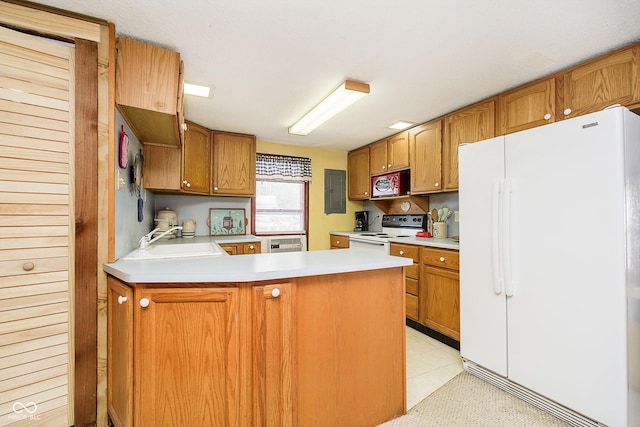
point(227, 222)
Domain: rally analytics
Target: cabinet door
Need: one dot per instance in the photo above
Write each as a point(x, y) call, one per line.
point(398, 152)
point(612, 79)
point(230, 249)
point(196, 160)
point(358, 170)
point(161, 168)
point(442, 308)
point(119, 353)
point(251, 248)
point(425, 143)
point(527, 107)
point(233, 164)
point(471, 124)
point(273, 356)
point(378, 157)
point(338, 242)
point(187, 346)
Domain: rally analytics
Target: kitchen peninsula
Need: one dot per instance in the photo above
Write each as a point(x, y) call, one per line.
point(300, 338)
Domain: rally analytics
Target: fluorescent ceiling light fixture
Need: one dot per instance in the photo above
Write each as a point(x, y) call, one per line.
point(346, 94)
point(401, 125)
point(196, 90)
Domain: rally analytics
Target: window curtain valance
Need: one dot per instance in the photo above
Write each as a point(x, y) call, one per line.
point(282, 168)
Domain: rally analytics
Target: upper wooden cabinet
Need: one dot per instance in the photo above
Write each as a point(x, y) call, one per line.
point(425, 144)
point(471, 124)
point(149, 89)
point(161, 168)
point(196, 160)
point(529, 106)
point(597, 84)
point(233, 164)
point(359, 180)
point(390, 154)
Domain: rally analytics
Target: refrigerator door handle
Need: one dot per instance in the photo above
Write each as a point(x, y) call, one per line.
point(507, 257)
point(496, 236)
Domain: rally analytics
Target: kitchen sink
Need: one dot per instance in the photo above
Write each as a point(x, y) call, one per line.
point(182, 250)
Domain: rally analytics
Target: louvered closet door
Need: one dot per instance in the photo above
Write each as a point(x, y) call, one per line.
point(36, 233)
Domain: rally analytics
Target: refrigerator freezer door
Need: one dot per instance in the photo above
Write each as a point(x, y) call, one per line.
point(566, 323)
point(483, 317)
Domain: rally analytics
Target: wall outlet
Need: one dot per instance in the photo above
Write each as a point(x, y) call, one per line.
point(456, 216)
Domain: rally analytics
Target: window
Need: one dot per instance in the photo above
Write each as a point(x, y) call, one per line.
point(281, 202)
point(280, 207)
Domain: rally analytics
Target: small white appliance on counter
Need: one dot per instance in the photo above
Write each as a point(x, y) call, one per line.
point(550, 301)
point(401, 225)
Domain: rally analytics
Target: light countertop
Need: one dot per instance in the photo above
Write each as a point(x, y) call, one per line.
point(249, 268)
point(409, 240)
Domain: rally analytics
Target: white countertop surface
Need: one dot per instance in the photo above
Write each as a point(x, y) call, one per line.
point(410, 240)
point(249, 268)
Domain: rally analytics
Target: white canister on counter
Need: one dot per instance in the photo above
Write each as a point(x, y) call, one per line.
point(440, 230)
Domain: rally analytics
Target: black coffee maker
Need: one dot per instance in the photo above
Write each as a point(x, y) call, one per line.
point(362, 221)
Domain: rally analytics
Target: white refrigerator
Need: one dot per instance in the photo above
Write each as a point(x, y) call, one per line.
point(550, 265)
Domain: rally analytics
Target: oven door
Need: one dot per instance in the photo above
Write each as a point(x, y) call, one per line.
point(369, 245)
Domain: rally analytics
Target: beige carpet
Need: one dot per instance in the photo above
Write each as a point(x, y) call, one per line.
point(469, 401)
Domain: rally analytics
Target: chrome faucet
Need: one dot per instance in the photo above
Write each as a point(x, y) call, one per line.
point(146, 240)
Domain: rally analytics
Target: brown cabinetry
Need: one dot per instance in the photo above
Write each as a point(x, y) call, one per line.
point(233, 164)
point(196, 160)
point(604, 81)
point(471, 124)
point(163, 362)
point(161, 168)
point(338, 241)
point(412, 277)
point(149, 91)
point(529, 106)
point(441, 278)
point(242, 248)
point(425, 145)
point(359, 177)
point(390, 154)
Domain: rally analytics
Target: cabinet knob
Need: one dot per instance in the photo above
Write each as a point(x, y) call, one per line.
point(215, 188)
point(437, 184)
point(121, 299)
point(250, 246)
point(338, 242)
point(389, 165)
point(441, 259)
point(366, 193)
point(384, 167)
point(567, 111)
point(184, 126)
point(144, 302)
point(186, 184)
point(28, 266)
point(547, 116)
point(401, 252)
point(275, 292)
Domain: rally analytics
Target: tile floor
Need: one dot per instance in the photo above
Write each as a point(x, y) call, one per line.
point(430, 364)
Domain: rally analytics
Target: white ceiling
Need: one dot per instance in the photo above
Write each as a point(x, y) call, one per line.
point(272, 60)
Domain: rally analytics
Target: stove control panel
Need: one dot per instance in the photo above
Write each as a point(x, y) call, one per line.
point(405, 221)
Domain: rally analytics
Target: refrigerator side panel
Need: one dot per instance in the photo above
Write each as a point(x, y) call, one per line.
point(567, 327)
point(632, 191)
point(482, 310)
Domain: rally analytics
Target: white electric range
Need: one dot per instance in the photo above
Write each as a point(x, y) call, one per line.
point(393, 226)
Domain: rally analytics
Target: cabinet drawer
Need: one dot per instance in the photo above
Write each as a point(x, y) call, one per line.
point(412, 307)
point(412, 271)
point(444, 258)
point(412, 286)
point(339, 241)
point(406, 251)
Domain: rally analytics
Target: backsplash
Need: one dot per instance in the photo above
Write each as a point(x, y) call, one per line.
point(197, 208)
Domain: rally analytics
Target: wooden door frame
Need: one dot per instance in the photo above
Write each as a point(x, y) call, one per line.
point(94, 208)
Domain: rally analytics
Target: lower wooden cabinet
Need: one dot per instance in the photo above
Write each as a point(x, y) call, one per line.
point(440, 274)
point(432, 287)
point(289, 352)
point(338, 241)
point(242, 248)
point(412, 277)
